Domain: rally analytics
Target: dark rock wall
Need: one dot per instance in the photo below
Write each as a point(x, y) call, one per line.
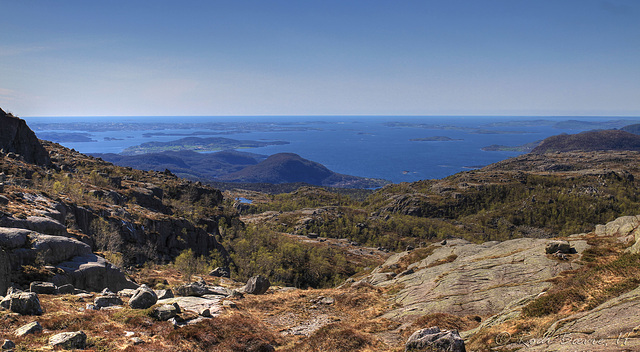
point(18, 138)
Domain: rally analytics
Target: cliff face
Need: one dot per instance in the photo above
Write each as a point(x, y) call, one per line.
point(18, 138)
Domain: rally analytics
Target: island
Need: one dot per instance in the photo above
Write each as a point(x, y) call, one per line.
point(525, 148)
point(197, 144)
point(65, 137)
point(434, 139)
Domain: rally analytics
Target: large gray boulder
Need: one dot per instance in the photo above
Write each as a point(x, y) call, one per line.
point(69, 340)
point(40, 287)
point(257, 285)
point(17, 137)
point(45, 225)
point(56, 249)
point(24, 303)
point(11, 238)
point(92, 273)
point(434, 340)
point(194, 289)
point(143, 298)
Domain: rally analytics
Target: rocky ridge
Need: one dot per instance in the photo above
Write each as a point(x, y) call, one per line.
point(16, 137)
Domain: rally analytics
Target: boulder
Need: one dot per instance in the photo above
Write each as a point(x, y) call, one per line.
point(27, 329)
point(433, 340)
point(66, 289)
point(56, 249)
point(92, 273)
point(69, 340)
point(45, 225)
point(8, 345)
point(558, 246)
point(195, 289)
point(40, 287)
point(17, 137)
point(162, 294)
point(143, 298)
point(257, 285)
point(24, 303)
point(619, 227)
point(198, 305)
point(165, 312)
point(107, 301)
point(11, 238)
point(220, 272)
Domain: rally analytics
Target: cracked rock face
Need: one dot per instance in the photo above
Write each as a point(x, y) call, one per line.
point(482, 279)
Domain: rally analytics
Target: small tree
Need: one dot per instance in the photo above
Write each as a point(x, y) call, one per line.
point(188, 264)
point(108, 240)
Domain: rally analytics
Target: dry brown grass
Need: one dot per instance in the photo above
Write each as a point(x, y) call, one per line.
point(352, 323)
point(234, 332)
point(338, 337)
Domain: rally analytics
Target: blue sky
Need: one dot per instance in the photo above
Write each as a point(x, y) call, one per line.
point(322, 57)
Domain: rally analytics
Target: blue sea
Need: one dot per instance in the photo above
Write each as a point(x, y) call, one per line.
point(368, 146)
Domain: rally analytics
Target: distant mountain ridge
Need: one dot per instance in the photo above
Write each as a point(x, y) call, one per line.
point(590, 141)
point(290, 167)
point(242, 167)
point(187, 163)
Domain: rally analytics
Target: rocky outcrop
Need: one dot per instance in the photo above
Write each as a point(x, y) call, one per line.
point(465, 278)
point(92, 273)
point(12, 238)
point(56, 249)
point(16, 137)
point(39, 224)
point(434, 340)
point(614, 323)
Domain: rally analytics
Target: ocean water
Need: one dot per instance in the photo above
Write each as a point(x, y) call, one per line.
point(368, 146)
